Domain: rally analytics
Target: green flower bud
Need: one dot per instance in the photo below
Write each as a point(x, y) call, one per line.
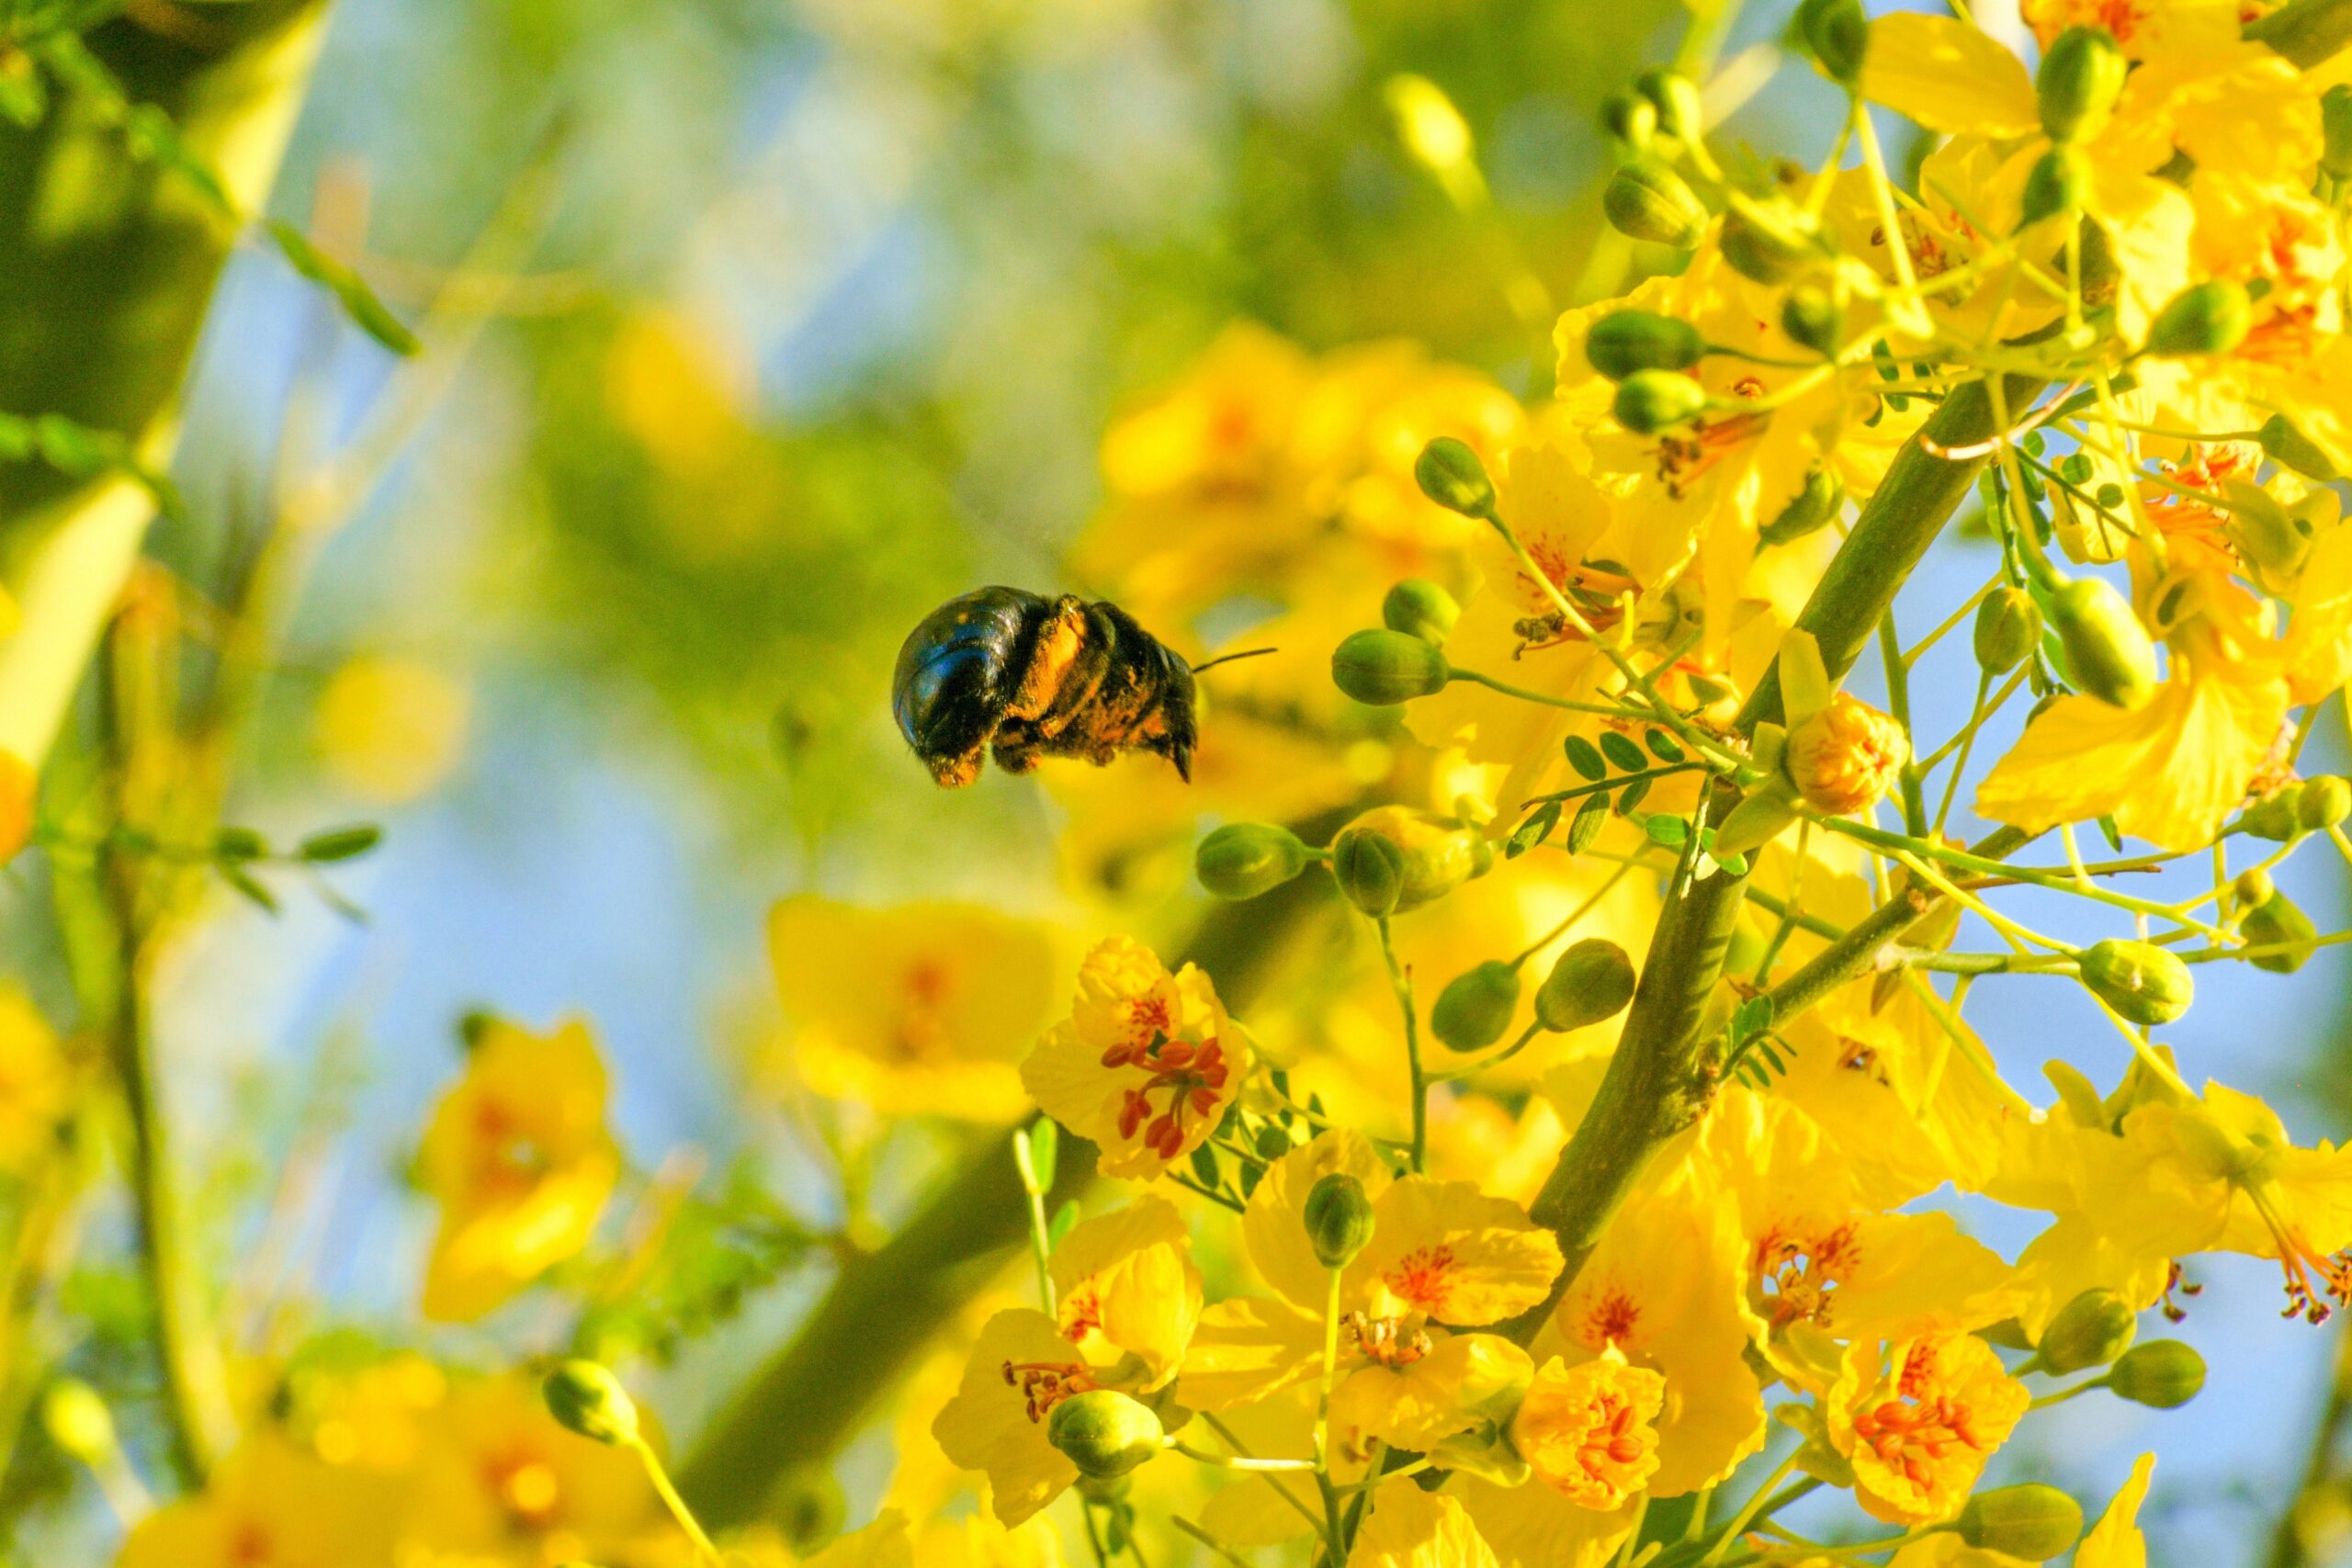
point(1836, 34)
point(2009, 627)
point(2290, 447)
point(1770, 243)
point(2335, 122)
point(1104, 1433)
point(1762, 815)
point(2212, 317)
point(2106, 648)
point(1245, 860)
point(1675, 98)
point(1810, 511)
point(585, 1398)
point(2032, 1521)
point(2323, 802)
point(1418, 607)
point(1813, 318)
point(2089, 1331)
point(1626, 341)
point(2253, 888)
point(1338, 1219)
point(2264, 531)
point(1369, 869)
point(2276, 816)
point(2143, 983)
point(1629, 117)
point(2082, 71)
point(2161, 1374)
point(78, 1422)
point(1382, 667)
point(1651, 401)
point(2059, 181)
point(1450, 474)
point(1392, 858)
point(1645, 201)
point(1476, 1006)
point(1591, 980)
point(2276, 921)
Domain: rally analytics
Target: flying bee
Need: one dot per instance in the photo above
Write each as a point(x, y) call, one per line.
point(1020, 675)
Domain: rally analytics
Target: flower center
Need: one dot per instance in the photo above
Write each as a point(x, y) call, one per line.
point(1191, 1075)
point(1424, 1278)
point(1393, 1342)
point(1045, 1384)
point(1913, 1433)
point(1801, 1273)
point(1682, 459)
point(2311, 1274)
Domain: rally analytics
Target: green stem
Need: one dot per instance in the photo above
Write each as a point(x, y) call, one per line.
point(1401, 979)
point(704, 1550)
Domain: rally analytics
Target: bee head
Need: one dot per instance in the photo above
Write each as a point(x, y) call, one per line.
point(954, 675)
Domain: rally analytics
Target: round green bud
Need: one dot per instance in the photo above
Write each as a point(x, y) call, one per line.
point(1450, 474)
point(2276, 816)
point(1421, 608)
point(2212, 317)
point(2277, 922)
point(1836, 34)
point(2058, 183)
point(2290, 447)
point(1626, 341)
point(1810, 511)
point(2323, 802)
point(1392, 858)
point(1645, 201)
point(1675, 98)
point(1370, 870)
point(1591, 980)
point(2106, 648)
point(1476, 1006)
point(585, 1398)
point(2082, 72)
point(1770, 242)
point(1383, 666)
point(1245, 860)
point(1651, 401)
point(1104, 1433)
point(1629, 117)
point(2032, 1521)
point(2335, 122)
point(1813, 318)
point(2253, 888)
point(2008, 626)
point(2089, 1331)
point(78, 1422)
point(1338, 1219)
point(2161, 1374)
point(2143, 983)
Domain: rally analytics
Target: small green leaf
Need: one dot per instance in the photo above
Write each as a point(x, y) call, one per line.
point(1662, 746)
point(1668, 831)
point(369, 313)
point(1045, 1151)
point(1204, 1165)
point(1753, 1017)
point(239, 844)
point(1586, 825)
point(340, 844)
point(1064, 1219)
point(1622, 752)
point(1632, 796)
point(1584, 758)
point(238, 877)
point(1533, 831)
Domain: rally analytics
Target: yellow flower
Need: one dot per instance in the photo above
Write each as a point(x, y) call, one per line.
point(519, 1159)
point(1590, 1430)
point(2115, 1541)
point(1144, 1065)
point(1445, 1249)
point(1409, 1527)
point(1845, 758)
point(270, 1505)
point(974, 1540)
point(1919, 1418)
point(35, 1083)
point(497, 1477)
point(882, 1545)
point(389, 729)
point(1124, 1285)
point(918, 1009)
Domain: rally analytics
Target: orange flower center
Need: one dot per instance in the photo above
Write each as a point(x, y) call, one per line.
point(1425, 1277)
point(1684, 459)
point(1391, 1341)
point(1045, 1384)
point(1192, 1076)
point(1802, 1273)
point(2311, 1273)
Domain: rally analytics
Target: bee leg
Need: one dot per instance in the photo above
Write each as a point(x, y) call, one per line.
point(1061, 639)
point(1015, 756)
point(954, 772)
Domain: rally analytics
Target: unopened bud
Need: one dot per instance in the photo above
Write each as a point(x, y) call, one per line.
point(2253, 888)
point(1450, 474)
point(2009, 626)
point(2161, 1374)
point(585, 1398)
point(1675, 98)
point(1845, 758)
point(2032, 1521)
point(2275, 815)
point(1810, 511)
point(1624, 341)
point(2277, 922)
point(1338, 1219)
point(2290, 447)
point(1770, 242)
point(1629, 118)
point(1382, 667)
point(1476, 1006)
point(1421, 608)
point(2141, 982)
point(1651, 401)
point(2265, 532)
point(1245, 860)
point(1392, 858)
point(78, 1422)
point(2335, 123)
point(2212, 317)
point(1591, 980)
point(2106, 648)
point(2058, 183)
point(1836, 34)
point(1811, 318)
point(2323, 802)
point(2089, 1331)
point(2082, 71)
point(1104, 1433)
point(1646, 201)
point(1370, 871)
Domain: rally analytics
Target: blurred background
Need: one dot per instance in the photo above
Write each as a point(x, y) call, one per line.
point(754, 329)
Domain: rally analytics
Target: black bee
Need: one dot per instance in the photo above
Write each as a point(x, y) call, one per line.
point(1027, 676)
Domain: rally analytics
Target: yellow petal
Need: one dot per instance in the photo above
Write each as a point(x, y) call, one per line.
point(988, 1427)
point(2115, 1541)
point(1444, 1248)
point(1412, 1528)
point(1947, 76)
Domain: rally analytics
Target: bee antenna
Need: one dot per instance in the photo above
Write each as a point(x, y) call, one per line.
point(1230, 657)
